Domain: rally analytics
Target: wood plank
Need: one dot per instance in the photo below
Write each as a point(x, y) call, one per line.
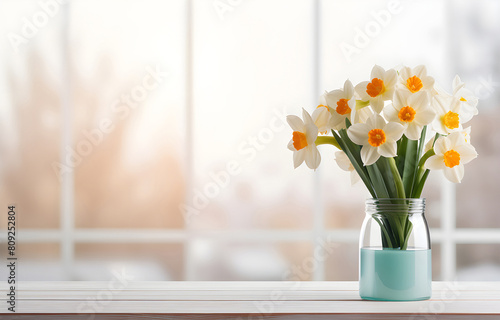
point(230, 285)
point(256, 298)
point(259, 307)
point(251, 317)
point(201, 295)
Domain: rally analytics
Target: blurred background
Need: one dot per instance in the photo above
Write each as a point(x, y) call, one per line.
point(148, 138)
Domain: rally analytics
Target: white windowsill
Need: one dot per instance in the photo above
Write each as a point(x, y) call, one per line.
point(258, 298)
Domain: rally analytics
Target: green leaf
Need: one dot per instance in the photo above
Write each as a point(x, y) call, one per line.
point(410, 165)
point(377, 181)
point(385, 169)
point(400, 159)
point(418, 190)
point(347, 123)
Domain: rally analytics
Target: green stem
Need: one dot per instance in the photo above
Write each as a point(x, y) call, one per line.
point(383, 228)
point(426, 156)
point(397, 178)
point(327, 140)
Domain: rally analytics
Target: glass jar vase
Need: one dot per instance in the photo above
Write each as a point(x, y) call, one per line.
point(395, 251)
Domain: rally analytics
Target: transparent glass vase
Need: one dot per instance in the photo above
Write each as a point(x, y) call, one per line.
point(395, 251)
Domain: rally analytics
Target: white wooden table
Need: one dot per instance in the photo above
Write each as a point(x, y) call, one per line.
point(241, 300)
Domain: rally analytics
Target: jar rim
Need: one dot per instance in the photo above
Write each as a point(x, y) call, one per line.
point(395, 206)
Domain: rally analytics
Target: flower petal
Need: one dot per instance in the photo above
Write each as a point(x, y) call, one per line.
point(307, 117)
point(420, 71)
point(377, 72)
point(401, 98)
point(435, 162)
point(425, 116)
point(313, 158)
point(442, 145)
point(388, 149)
point(311, 133)
point(457, 84)
point(354, 177)
point(299, 157)
point(358, 133)
point(377, 104)
point(454, 174)
point(290, 145)
point(296, 123)
point(441, 104)
point(405, 73)
point(369, 155)
point(361, 90)
point(376, 121)
point(419, 100)
point(348, 89)
point(343, 161)
point(467, 153)
point(394, 130)
point(390, 78)
point(333, 97)
point(413, 131)
point(391, 113)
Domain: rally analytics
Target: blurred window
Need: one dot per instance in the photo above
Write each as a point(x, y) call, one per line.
point(150, 137)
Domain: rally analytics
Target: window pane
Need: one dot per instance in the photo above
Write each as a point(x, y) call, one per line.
point(128, 81)
point(342, 263)
point(477, 195)
point(247, 69)
point(478, 262)
point(38, 262)
point(140, 262)
point(251, 262)
point(436, 262)
point(30, 113)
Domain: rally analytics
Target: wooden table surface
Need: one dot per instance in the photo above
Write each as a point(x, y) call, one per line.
point(123, 299)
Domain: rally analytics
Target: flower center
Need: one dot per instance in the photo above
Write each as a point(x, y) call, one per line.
point(407, 114)
point(322, 105)
point(375, 88)
point(299, 140)
point(376, 137)
point(451, 158)
point(414, 84)
point(343, 107)
point(463, 99)
point(451, 120)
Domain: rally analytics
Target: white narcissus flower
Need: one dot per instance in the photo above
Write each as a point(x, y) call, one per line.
point(410, 110)
point(321, 116)
point(341, 103)
point(452, 152)
point(377, 137)
point(447, 118)
point(379, 89)
point(468, 102)
point(345, 164)
point(415, 80)
point(465, 134)
point(303, 140)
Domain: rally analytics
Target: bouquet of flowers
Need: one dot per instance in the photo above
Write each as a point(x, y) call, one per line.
point(381, 128)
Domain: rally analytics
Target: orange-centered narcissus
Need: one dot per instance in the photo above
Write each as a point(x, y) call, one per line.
point(375, 88)
point(376, 137)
